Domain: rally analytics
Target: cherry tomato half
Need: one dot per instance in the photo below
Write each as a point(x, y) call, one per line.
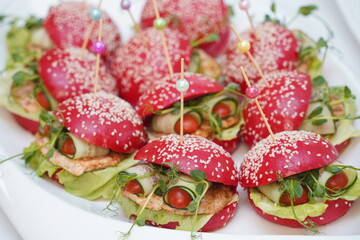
point(43, 101)
point(68, 147)
point(285, 198)
point(178, 198)
point(190, 124)
point(222, 110)
point(134, 187)
point(337, 182)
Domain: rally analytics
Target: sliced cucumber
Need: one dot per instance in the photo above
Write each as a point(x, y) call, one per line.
point(82, 149)
point(165, 123)
point(187, 184)
point(229, 101)
point(147, 183)
point(325, 175)
point(271, 191)
point(325, 128)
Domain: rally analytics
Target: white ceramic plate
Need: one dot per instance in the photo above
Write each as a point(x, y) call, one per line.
point(41, 209)
point(350, 11)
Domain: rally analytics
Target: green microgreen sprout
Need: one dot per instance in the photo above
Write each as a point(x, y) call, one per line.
point(201, 189)
point(293, 187)
point(208, 38)
point(112, 208)
point(139, 218)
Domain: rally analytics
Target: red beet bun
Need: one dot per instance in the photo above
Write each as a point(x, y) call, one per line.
point(163, 94)
point(196, 19)
point(335, 209)
point(229, 145)
point(28, 124)
point(69, 72)
point(195, 153)
point(106, 121)
point(284, 104)
point(292, 153)
point(276, 49)
point(67, 24)
point(141, 62)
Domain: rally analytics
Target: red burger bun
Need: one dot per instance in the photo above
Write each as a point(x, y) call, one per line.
point(104, 116)
point(277, 48)
point(164, 93)
point(334, 210)
point(284, 104)
point(68, 72)
point(212, 16)
point(292, 153)
point(195, 153)
point(28, 124)
point(141, 62)
point(67, 24)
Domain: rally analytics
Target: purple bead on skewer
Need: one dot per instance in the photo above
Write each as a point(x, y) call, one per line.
point(125, 4)
point(99, 47)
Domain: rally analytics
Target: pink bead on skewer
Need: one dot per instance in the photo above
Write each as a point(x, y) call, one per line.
point(252, 92)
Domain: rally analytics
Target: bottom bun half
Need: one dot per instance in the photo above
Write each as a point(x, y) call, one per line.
point(335, 209)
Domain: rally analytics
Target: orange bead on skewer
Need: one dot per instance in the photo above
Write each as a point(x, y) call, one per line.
point(244, 47)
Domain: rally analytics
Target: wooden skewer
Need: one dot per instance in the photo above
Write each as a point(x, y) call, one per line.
point(245, 5)
point(97, 60)
point(137, 27)
point(248, 53)
point(182, 105)
point(252, 25)
point(258, 106)
point(163, 40)
point(90, 29)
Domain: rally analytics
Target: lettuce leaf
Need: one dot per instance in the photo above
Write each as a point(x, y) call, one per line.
point(345, 128)
point(95, 184)
point(302, 211)
point(163, 217)
point(7, 101)
point(90, 185)
point(353, 193)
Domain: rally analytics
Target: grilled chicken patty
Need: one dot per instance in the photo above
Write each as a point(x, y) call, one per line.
point(216, 198)
point(80, 165)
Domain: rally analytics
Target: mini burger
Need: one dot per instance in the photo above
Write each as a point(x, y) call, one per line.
point(67, 24)
point(295, 102)
point(210, 110)
point(276, 48)
point(87, 142)
point(205, 22)
point(189, 186)
point(297, 180)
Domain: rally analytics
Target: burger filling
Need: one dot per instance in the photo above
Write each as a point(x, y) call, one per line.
point(331, 113)
point(160, 191)
point(209, 117)
point(22, 91)
point(304, 195)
